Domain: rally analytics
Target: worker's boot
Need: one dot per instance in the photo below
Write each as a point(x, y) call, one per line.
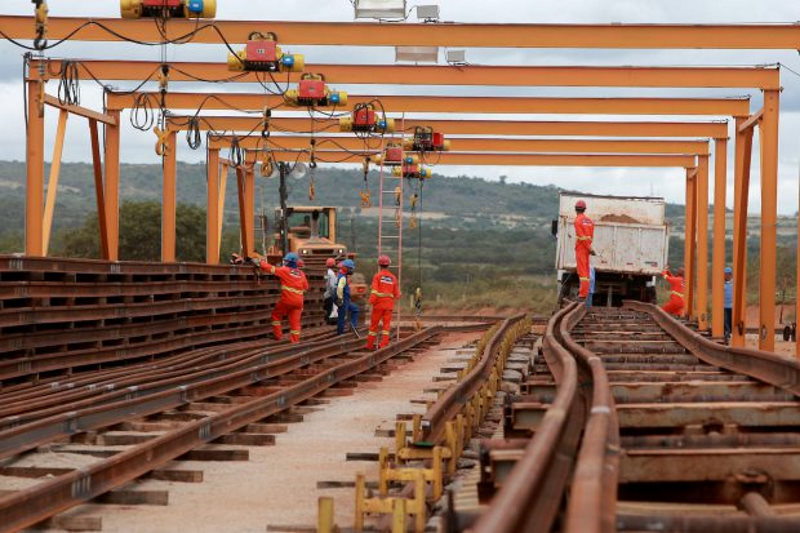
point(277, 332)
point(384, 341)
point(371, 340)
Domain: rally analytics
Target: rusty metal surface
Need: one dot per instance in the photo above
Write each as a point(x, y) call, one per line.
point(530, 497)
point(27, 507)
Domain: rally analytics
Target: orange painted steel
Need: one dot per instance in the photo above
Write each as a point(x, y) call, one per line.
point(743, 154)
point(691, 243)
point(718, 255)
point(629, 36)
point(52, 182)
point(291, 142)
point(34, 186)
point(459, 104)
point(80, 111)
point(212, 208)
point(702, 242)
point(112, 145)
point(768, 142)
point(515, 159)
point(168, 202)
point(516, 76)
point(99, 188)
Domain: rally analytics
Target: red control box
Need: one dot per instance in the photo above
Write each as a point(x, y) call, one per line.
point(364, 116)
point(171, 4)
point(262, 51)
point(438, 141)
point(394, 154)
point(311, 89)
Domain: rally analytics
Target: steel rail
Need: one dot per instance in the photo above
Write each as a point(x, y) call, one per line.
point(531, 495)
point(453, 400)
point(141, 401)
point(780, 371)
point(593, 491)
point(30, 506)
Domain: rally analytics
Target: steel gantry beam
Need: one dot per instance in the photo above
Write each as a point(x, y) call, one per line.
point(724, 107)
point(760, 77)
point(486, 145)
point(630, 36)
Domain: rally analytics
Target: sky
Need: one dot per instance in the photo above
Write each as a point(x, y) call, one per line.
point(138, 146)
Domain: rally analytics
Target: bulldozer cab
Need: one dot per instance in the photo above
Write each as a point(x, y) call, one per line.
point(311, 231)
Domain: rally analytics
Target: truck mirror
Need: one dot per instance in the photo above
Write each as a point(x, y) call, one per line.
point(554, 228)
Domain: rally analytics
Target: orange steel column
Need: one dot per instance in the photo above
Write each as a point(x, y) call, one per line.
point(212, 207)
point(34, 192)
point(112, 185)
point(701, 257)
point(99, 188)
point(689, 243)
point(168, 202)
point(718, 255)
point(249, 208)
point(768, 137)
point(744, 146)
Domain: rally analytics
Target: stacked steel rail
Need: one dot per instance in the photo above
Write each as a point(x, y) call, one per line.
point(649, 425)
point(58, 315)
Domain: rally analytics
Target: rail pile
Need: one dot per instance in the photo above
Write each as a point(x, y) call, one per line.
point(648, 425)
point(61, 315)
point(420, 468)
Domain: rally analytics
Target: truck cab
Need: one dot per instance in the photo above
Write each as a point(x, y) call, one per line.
point(631, 242)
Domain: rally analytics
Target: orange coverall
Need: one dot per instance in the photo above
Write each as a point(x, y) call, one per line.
point(584, 233)
point(385, 291)
point(293, 286)
point(677, 284)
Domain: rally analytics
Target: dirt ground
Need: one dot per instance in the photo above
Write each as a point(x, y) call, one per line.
point(278, 485)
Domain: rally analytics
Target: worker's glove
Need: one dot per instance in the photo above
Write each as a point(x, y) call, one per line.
point(592, 252)
point(236, 259)
point(339, 303)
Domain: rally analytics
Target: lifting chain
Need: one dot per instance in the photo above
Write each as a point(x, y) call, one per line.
point(163, 85)
point(366, 200)
point(312, 165)
point(40, 18)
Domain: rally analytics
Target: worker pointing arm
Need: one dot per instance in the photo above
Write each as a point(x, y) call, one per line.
point(677, 284)
point(293, 288)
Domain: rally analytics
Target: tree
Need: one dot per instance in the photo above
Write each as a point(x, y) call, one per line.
point(140, 234)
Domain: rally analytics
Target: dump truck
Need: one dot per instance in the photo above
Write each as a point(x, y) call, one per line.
point(631, 243)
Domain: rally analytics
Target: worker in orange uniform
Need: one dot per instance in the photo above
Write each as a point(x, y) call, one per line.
point(677, 286)
point(385, 291)
point(293, 287)
point(584, 233)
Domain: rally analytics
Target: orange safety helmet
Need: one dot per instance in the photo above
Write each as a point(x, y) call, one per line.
point(580, 205)
point(330, 262)
point(384, 261)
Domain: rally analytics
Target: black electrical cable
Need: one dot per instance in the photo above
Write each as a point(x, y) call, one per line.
point(142, 115)
point(193, 136)
point(69, 88)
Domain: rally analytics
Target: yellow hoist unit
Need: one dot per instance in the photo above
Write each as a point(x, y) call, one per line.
point(365, 119)
point(312, 91)
point(262, 54)
point(197, 9)
point(412, 172)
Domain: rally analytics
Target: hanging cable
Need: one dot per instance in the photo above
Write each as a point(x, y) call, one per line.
point(236, 153)
point(69, 88)
point(142, 115)
point(193, 137)
point(312, 166)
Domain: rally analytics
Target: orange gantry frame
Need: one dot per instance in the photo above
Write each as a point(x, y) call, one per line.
point(630, 36)
point(764, 78)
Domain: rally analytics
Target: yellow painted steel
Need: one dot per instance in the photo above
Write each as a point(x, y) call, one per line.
point(630, 36)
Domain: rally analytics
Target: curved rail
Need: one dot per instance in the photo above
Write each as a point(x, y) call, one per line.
point(532, 494)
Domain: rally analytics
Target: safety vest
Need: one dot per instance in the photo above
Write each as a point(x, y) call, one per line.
point(584, 231)
point(342, 287)
point(385, 290)
point(293, 283)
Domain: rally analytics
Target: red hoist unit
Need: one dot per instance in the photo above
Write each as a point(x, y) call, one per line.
point(312, 91)
point(365, 119)
point(412, 171)
point(262, 54)
point(426, 140)
point(198, 9)
point(394, 156)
